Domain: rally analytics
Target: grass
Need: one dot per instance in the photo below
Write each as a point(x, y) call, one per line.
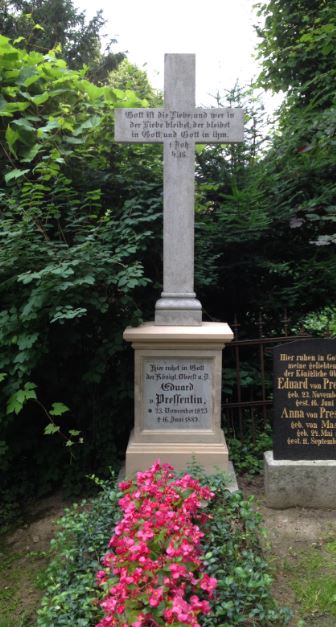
point(20, 586)
point(311, 575)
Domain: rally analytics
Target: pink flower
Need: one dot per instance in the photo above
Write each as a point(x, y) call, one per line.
point(156, 597)
point(178, 570)
point(125, 485)
point(208, 584)
point(101, 577)
point(157, 532)
point(198, 605)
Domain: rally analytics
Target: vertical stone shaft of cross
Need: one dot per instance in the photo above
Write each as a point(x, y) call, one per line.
point(178, 304)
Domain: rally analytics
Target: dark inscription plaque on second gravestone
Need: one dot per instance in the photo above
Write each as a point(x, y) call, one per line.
point(305, 400)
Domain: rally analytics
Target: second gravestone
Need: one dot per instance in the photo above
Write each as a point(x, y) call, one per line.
point(301, 469)
point(178, 358)
point(305, 400)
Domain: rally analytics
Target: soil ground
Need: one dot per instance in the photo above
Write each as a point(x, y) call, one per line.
point(298, 544)
point(23, 558)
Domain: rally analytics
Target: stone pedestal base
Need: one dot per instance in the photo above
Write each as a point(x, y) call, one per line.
point(211, 456)
point(177, 310)
point(230, 479)
point(177, 396)
point(302, 483)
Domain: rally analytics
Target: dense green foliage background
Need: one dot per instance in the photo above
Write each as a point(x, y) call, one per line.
point(78, 218)
point(45, 24)
point(80, 229)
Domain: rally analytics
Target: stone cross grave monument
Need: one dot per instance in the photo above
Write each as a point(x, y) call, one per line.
point(178, 358)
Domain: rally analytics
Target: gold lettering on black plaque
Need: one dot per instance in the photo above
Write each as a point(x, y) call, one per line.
point(305, 400)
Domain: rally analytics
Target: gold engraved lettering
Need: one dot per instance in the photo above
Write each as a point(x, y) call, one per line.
point(307, 392)
point(286, 384)
point(292, 413)
point(329, 385)
point(327, 413)
point(326, 424)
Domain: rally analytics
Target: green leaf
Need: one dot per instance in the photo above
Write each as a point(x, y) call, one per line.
point(4, 42)
point(25, 124)
point(51, 428)
point(74, 432)
point(3, 103)
point(31, 154)
point(11, 137)
point(13, 405)
point(31, 79)
point(68, 313)
point(15, 174)
point(58, 409)
point(26, 341)
point(51, 125)
point(30, 386)
point(12, 107)
point(90, 123)
point(40, 98)
point(30, 394)
point(19, 398)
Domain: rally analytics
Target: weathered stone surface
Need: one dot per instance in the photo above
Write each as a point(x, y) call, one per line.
point(178, 209)
point(212, 456)
point(177, 396)
point(299, 483)
point(208, 333)
point(177, 392)
point(178, 360)
point(177, 309)
point(179, 126)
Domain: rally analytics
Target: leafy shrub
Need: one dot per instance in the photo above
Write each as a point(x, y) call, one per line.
point(321, 322)
point(232, 555)
point(77, 548)
point(247, 457)
point(78, 222)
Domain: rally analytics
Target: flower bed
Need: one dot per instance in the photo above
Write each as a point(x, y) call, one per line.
point(155, 574)
point(177, 537)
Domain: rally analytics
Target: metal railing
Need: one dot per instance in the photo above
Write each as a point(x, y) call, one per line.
point(247, 378)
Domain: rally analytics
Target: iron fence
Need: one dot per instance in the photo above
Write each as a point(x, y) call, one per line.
point(247, 378)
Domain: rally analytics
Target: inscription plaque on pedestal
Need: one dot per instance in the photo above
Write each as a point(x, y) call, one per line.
point(177, 393)
point(305, 400)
